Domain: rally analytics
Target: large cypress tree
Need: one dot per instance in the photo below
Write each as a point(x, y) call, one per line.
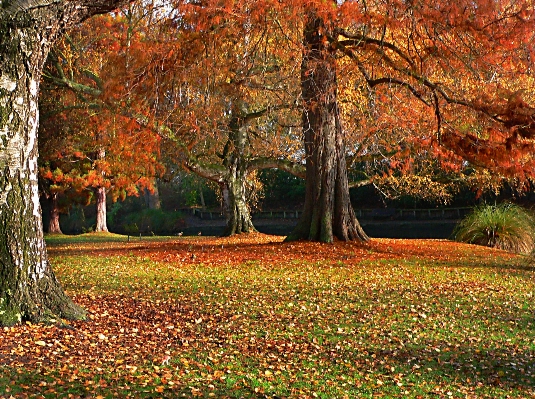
point(328, 212)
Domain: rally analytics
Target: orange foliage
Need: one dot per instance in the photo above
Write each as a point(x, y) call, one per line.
point(450, 81)
point(102, 142)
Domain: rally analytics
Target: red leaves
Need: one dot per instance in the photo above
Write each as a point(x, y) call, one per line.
point(266, 249)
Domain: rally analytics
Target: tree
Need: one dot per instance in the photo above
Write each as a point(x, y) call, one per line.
point(29, 289)
point(328, 211)
point(445, 55)
point(113, 153)
point(233, 171)
point(61, 165)
point(224, 124)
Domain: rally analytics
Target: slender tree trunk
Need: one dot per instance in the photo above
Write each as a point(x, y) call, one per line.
point(101, 223)
point(53, 224)
point(29, 289)
point(100, 198)
point(328, 212)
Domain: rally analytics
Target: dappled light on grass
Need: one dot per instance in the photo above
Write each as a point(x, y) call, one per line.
point(250, 316)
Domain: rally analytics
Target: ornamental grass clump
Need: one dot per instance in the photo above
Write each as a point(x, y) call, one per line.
point(506, 226)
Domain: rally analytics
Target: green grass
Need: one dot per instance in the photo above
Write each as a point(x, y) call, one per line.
point(414, 328)
point(505, 226)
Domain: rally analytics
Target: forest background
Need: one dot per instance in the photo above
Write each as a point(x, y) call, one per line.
point(204, 81)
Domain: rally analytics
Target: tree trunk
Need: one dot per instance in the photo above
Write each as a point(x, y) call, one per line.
point(100, 193)
point(53, 224)
point(237, 215)
point(101, 224)
point(232, 176)
point(328, 212)
point(29, 289)
point(153, 198)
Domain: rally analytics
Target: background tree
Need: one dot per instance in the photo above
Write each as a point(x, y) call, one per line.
point(115, 153)
point(225, 124)
point(60, 165)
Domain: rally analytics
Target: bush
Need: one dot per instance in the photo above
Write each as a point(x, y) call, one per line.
point(505, 226)
point(155, 221)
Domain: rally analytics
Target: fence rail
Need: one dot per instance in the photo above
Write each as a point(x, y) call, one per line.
point(379, 214)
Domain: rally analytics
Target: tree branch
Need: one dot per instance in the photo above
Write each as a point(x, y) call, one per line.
point(360, 183)
point(295, 169)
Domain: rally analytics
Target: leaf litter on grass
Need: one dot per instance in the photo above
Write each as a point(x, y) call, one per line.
point(251, 316)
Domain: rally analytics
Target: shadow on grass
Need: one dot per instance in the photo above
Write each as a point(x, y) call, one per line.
point(420, 370)
point(29, 384)
point(467, 365)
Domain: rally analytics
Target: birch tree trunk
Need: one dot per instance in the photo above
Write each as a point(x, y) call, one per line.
point(29, 289)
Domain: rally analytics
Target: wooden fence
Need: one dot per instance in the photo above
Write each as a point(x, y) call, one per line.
point(379, 214)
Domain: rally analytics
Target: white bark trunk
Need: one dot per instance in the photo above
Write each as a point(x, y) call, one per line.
point(28, 287)
point(101, 224)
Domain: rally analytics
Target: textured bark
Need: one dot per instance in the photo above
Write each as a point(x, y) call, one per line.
point(231, 182)
point(328, 212)
point(29, 289)
point(232, 175)
point(53, 223)
point(236, 211)
point(237, 215)
point(101, 223)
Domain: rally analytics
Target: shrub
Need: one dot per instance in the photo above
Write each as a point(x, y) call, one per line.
point(505, 226)
point(155, 221)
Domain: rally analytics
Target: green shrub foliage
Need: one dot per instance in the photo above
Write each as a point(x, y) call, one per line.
point(506, 226)
point(154, 221)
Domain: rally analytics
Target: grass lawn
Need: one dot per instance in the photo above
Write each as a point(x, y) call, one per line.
point(252, 317)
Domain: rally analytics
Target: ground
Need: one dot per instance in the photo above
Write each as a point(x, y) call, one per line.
point(251, 316)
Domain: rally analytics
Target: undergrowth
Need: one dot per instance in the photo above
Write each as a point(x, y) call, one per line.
point(505, 226)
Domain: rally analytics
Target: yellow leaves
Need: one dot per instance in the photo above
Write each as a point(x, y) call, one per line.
point(132, 369)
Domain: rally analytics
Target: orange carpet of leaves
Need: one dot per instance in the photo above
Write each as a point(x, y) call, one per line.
point(125, 332)
point(261, 247)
